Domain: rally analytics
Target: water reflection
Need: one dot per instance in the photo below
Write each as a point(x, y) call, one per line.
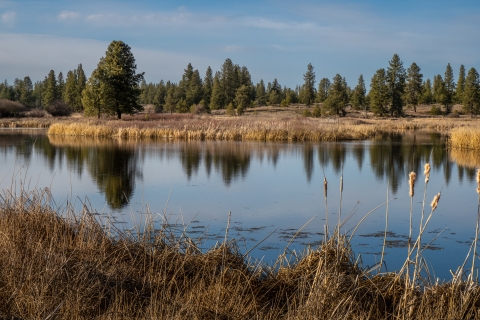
point(115, 165)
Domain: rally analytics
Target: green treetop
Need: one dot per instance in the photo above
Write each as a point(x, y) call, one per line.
point(471, 93)
point(120, 83)
point(449, 86)
point(309, 85)
point(396, 85)
point(358, 95)
point(460, 85)
point(413, 88)
point(379, 93)
point(323, 88)
point(337, 96)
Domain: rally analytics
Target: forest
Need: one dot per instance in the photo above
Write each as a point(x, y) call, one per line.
point(392, 89)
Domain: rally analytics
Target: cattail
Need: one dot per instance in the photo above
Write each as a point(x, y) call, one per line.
point(411, 181)
point(325, 186)
point(427, 172)
point(478, 180)
point(434, 203)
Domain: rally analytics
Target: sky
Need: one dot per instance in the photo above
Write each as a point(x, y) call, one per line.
point(273, 39)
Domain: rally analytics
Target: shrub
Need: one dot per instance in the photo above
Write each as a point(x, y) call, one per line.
point(10, 108)
point(306, 113)
point(240, 110)
point(198, 109)
point(230, 109)
point(435, 110)
point(316, 111)
point(59, 108)
point(36, 113)
point(454, 114)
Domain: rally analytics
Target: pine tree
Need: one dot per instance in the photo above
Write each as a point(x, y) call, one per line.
point(94, 94)
point(26, 97)
point(449, 84)
point(242, 99)
point(460, 85)
point(427, 94)
point(160, 96)
point(323, 88)
point(260, 93)
point(81, 82)
point(194, 92)
point(379, 93)
point(50, 91)
point(413, 88)
point(218, 100)
point(171, 99)
point(471, 93)
point(396, 85)
point(309, 85)
point(438, 89)
point(70, 91)
point(229, 81)
point(358, 96)
point(337, 96)
point(207, 87)
point(60, 86)
point(120, 83)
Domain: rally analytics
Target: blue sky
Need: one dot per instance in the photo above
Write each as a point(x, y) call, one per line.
point(274, 39)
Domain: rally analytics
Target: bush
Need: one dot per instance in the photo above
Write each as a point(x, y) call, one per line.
point(36, 113)
point(10, 108)
point(240, 111)
point(307, 113)
point(59, 108)
point(435, 110)
point(230, 109)
point(198, 109)
point(316, 111)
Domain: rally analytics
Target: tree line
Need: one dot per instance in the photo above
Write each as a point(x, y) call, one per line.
point(114, 87)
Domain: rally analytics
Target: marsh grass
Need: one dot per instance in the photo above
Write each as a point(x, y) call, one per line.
point(465, 138)
point(61, 264)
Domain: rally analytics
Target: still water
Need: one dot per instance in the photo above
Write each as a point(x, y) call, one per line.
point(267, 186)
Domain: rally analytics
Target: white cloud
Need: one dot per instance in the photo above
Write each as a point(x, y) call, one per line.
point(68, 15)
point(8, 18)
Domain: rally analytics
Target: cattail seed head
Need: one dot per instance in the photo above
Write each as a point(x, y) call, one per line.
point(434, 203)
point(411, 181)
point(427, 172)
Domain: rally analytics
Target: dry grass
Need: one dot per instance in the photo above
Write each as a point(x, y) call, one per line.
point(465, 158)
point(465, 138)
point(67, 266)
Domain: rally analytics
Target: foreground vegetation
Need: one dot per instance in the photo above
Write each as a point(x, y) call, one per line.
point(66, 265)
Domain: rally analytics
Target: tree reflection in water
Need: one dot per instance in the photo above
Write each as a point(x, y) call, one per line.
point(114, 165)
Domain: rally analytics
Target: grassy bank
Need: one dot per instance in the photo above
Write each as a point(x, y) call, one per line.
point(243, 129)
point(66, 266)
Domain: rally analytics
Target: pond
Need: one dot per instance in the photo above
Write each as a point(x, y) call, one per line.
point(272, 189)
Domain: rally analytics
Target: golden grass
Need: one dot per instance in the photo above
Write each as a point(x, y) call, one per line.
point(465, 138)
point(66, 266)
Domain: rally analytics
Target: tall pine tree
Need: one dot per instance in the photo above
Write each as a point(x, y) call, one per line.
point(413, 88)
point(471, 93)
point(460, 85)
point(396, 85)
point(309, 85)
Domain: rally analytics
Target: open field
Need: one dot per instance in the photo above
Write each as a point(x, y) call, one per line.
point(65, 265)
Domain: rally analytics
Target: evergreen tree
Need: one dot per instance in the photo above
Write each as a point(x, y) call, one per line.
point(70, 92)
point(379, 93)
point(438, 89)
point(396, 85)
point(309, 85)
point(116, 72)
point(81, 82)
point(449, 84)
point(260, 94)
point(471, 93)
point(413, 88)
point(93, 97)
point(160, 96)
point(26, 91)
point(274, 92)
point(60, 86)
point(460, 85)
point(337, 96)
point(242, 99)
point(229, 81)
point(50, 91)
point(427, 94)
point(323, 88)
point(37, 94)
point(6, 91)
point(194, 92)
point(171, 99)
point(218, 100)
point(358, 96)
point(207, 87)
